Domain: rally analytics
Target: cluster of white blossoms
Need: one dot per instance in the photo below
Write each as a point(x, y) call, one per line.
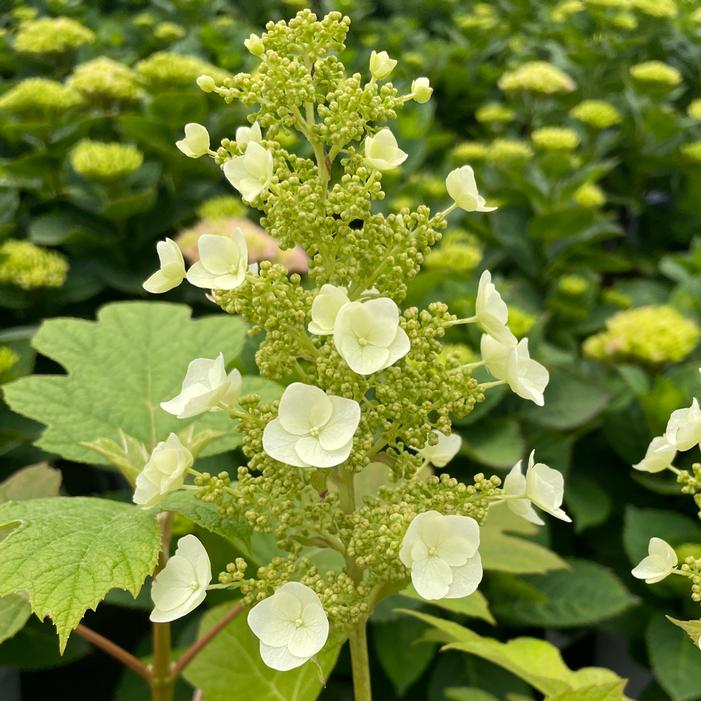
point(315, 429)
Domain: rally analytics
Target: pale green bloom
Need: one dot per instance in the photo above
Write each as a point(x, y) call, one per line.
point(469, 151)
point(221, 207)
point(169, 31)
point(52, 35)
point(40, 95)
point(421, 90)
point(537, 76)
point(181, 586)
point(255, 45)
point(442, 554)
point(166, 69)
point(494, 113)
point(99, 161)
point(462, 187)
point(325, 307)
point(30, 267)
point(694, 109)
point(589, 195)
point(692, 150)
point(555, 138)
point(659, 456)
point(565, 9)
point(573, 285)
point(656, 8)
point(656, 72)
point(596, 113)
point(252, 173)
point(683, 429)
point(381, 65)
point(196, 141)
point(222, 264)
point(508, 151)
point(244, 135)
point(8, 359)
point(383, 152)
point(491, 312)
point(163, 473)
point(458, 252)
point(171, 271)
point(206, 83)
point(659, 563)
point(312, 428)
point(291, 625)
point(103, 78)
point(520, 321)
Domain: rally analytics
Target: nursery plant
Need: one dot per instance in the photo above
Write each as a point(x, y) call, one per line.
point(341, 504)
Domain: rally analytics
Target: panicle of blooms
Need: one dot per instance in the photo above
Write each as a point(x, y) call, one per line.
point(656, 72)
point(49, 35)
point(596, 113)
point(537, 76)
point(8, 359)
point(103, 78)
point(163, 473)
point(459, 252)
point(47, 97)
point(494, 113)
point(166, 69)
point(507, 152)
point(555, 138)
point(589, 195)
point(31, 267)
point(104, 162)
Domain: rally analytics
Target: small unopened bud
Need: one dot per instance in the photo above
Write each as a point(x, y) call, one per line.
point(255, 45)
point(421, 90)
point(206, 83)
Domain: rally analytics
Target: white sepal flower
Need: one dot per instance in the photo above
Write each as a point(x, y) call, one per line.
point(491, 311)
point(206, 387)
point(251, 173)
point(172, 268)
point(659, 456)
point(541, 486)
point(245, 135)
point(368, 336)
point(291, 625)
point(659, 563)
point(383, 152)
point(163, 473)
point(223, 262)
point(421, 90)
point(196, 141)
point(684, 427)
point(441, 552)
point(444, 451)
point(255, 45)
point(181, 586)
point(514, 365)
point(325, 308)
point(312, 428)
point(462, 187)
point(381, 65)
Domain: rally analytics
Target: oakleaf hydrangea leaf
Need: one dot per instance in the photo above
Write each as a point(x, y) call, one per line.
point(67, 553)
point(119, 370)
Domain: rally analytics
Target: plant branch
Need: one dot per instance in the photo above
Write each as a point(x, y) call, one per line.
point(114, 650)
point(202, 642)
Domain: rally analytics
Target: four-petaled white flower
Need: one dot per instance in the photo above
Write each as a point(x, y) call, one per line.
point(245, 135)
point(196, 141)
point(368, 336)
point(514, 365)
point(291, 625)
point(659, 563)
point(684, 427)
point(206, 387)
point(325, 308)
point(383, 152)
point(462, 187)
point(659, 456)
point(172, 269)
point(421, 90)
point(381, 65)
point(312, 428)
point(441, 552)
point(181, 586)
point(491, 311)
point(444, 451)
point(163, 473)
point(251, 173)
point(223, 262)
point(541, 486)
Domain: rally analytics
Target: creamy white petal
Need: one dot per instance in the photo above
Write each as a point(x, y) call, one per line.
point(342, 424)
point(280, 445)
point(280, 658)
point(466, 578)
point(431, 578)
point(297, 403)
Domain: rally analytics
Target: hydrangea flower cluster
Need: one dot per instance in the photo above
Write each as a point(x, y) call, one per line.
point(342, 460)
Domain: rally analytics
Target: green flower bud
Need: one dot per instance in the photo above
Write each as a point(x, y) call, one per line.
point(596, 113)
point(50, 35)
point(539, 77)
point(105, 162)
point(30, 267)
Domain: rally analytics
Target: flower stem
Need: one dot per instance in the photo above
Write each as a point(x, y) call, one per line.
point(360, 662)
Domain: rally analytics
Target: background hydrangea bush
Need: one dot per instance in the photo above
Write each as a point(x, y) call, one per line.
point(580, 120)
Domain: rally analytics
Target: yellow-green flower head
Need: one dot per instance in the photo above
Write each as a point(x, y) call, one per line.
point(656, 8)
point(573, 285)
point(537, 76)
point(104, 78)
point(40, 95)
point(520, 321)
point(95, 160)
point(52, 35)
point(144, 20)
point(694, 110)
point(166, 69)
point(30, 267)
point(430, 186)
point(483, 17)
point(494, 112)
point(564, 10)
point(691, 151)
point(459, 252)
point(24, 14)
point(650, 334)
point(624, 20)
point(589, 195)
point(507, 151)
point(459, 352)
point(468, 151)
point(8, 359)
point(656, 72)
point(169, 31)
point(609, 4)
point(616, 298)
point(596, 113)
point(696, 16)
point(555, 138)
point(223, 207)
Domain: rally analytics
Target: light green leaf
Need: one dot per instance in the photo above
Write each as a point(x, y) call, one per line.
point(504, 552)
point(119, 369)
point(584, 594)
point(206, 515)
point(67, 553)
point(32, 482)
point(14, 613)
point(474, 606)
point(691, 628)
point(494, 442)
point(230, 667)
point(612, 691)
point(675, 662)
point(465, 693)
point(537, 662)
